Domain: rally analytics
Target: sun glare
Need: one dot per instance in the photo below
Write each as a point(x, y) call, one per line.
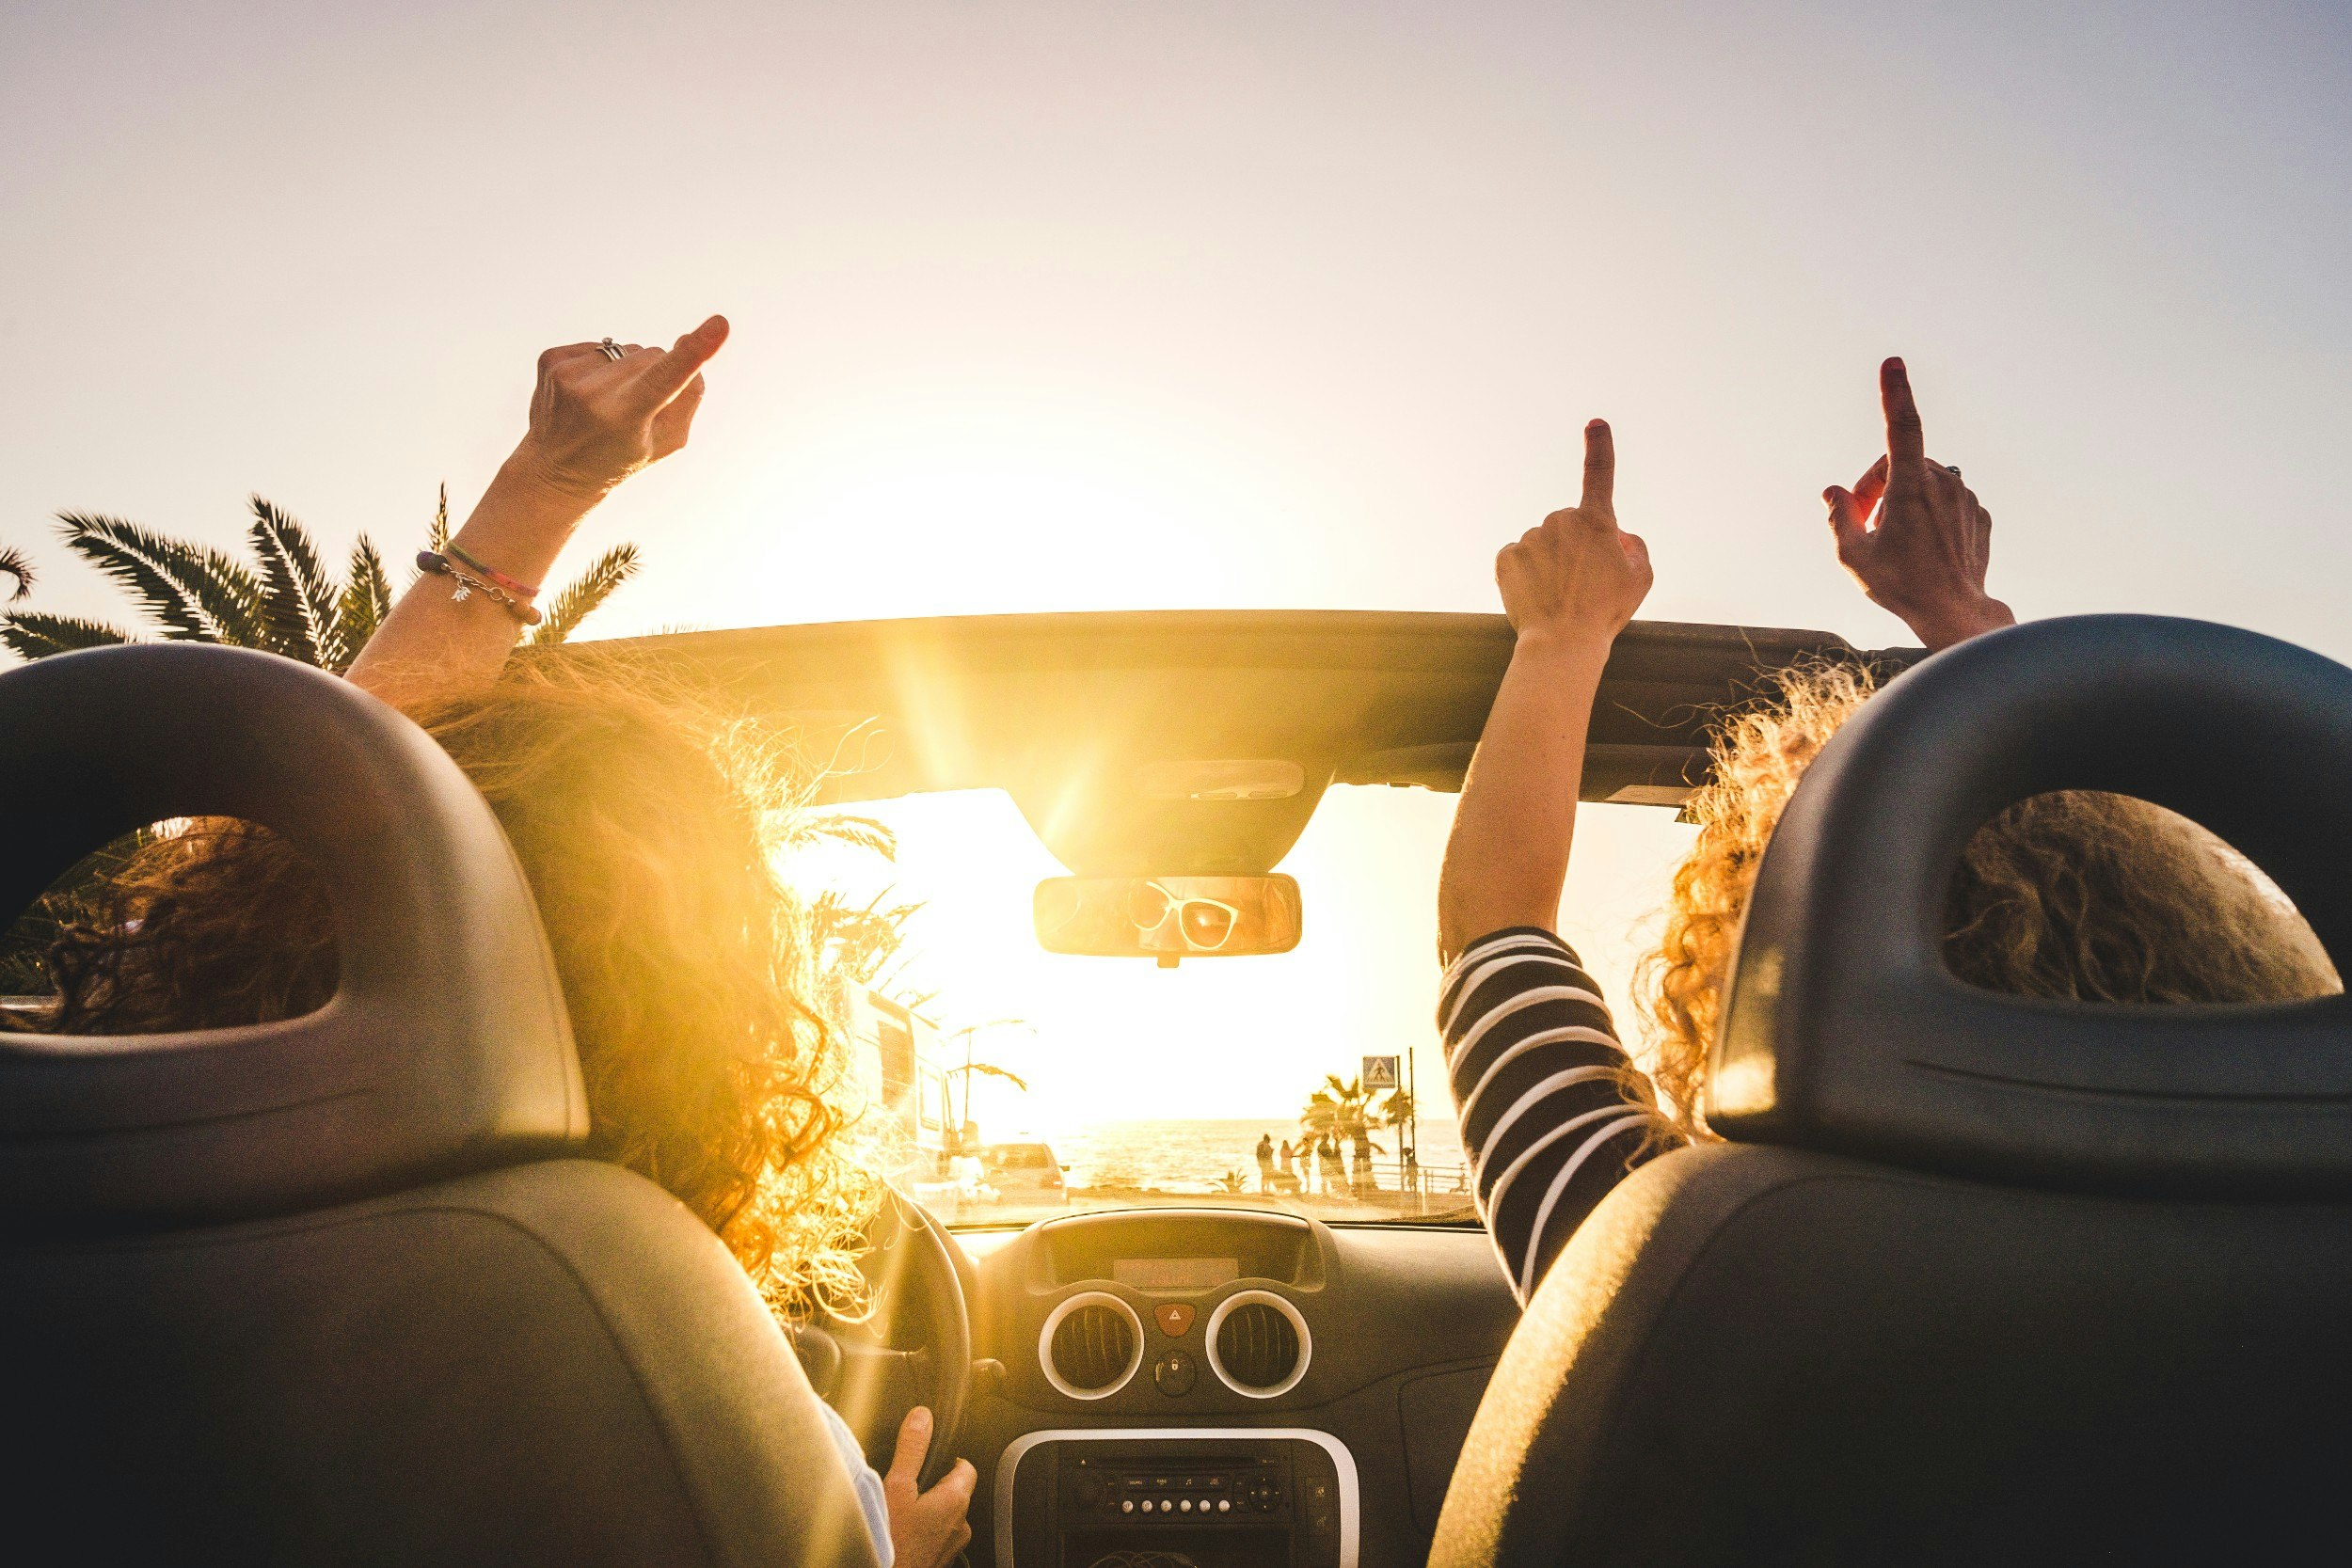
point(1101, 1039)
point(953, 497)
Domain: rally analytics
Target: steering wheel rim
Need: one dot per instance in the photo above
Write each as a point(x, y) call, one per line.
point(914, 1272)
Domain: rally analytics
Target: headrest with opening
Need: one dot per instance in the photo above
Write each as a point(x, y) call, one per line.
point(1845, 1031)
point(446, 1044)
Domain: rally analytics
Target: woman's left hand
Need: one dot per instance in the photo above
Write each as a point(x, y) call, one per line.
point(595, 419)
point(926, 1528)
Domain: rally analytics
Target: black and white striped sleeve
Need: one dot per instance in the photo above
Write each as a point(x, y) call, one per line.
point(1538, 1077)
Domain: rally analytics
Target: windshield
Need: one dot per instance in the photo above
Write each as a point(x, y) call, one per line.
point(1021, 1083)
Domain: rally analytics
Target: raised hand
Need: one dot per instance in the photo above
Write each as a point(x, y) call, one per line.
point(595, 419)
point(1578, 575)
point(1926, 556)
point(1569, 587)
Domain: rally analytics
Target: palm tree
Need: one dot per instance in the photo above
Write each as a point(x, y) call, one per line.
point(858, 946)
point(284, 601)
point(972, 1067)
point(1397, 1110)
point(1342, 1110)
point(1339, 1108)
point(16, 563)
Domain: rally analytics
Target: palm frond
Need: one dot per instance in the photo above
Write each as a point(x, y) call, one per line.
point(367, 598)
point(858, 944)
point(228, 594)
point(196, 594)
point(133, 557)
point(16, 563)
point(297, 601)
point(439, 533)
point(581, 597)
point(31, 635)
point(842, 827)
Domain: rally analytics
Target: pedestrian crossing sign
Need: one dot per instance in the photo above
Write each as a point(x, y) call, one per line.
point(1379, 1073)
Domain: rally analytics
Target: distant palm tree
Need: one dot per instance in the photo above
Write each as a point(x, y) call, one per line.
point(1397, 1110)
point(16, 563)
point(284, 602)
point(1343, 1109)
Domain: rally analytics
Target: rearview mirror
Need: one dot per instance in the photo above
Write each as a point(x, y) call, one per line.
point(1167, 918)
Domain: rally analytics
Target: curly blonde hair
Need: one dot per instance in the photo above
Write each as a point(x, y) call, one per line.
point(2075, 894)
point(648, 822)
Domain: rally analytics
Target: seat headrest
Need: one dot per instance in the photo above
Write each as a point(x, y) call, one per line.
point(446, 1044)
point(1845, 1031)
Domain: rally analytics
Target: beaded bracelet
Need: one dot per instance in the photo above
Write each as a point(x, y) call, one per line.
point(437, 565)
point(520, 591)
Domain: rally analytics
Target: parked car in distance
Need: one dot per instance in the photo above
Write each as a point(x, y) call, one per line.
point(1024, 1173)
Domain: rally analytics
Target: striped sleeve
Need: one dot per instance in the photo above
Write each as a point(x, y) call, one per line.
point(1538, 1077)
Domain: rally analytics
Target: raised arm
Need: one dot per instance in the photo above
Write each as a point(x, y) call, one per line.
point(595, 420)
point(1569, 587)
point(1925, 555)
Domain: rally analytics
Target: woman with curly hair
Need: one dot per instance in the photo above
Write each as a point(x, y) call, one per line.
point(2076, 894)
point(647, 820)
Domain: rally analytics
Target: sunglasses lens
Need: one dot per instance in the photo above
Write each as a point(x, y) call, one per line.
point(1207, 924)
point(1147, 906)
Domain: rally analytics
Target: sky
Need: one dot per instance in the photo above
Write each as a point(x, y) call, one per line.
point(1132, 305)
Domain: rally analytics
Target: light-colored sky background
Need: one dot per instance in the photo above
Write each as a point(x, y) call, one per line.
point(1123, 304)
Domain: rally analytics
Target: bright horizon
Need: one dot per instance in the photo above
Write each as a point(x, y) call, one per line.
point(1090, 306)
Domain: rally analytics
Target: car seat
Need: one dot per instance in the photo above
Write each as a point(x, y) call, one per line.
point(344, 1288)
point(1975, 1279)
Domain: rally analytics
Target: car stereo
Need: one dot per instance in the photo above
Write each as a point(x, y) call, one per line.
point(1214, 1498)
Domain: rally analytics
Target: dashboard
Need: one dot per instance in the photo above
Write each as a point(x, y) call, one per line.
point(1240, 1388)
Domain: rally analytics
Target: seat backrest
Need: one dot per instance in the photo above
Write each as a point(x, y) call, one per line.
point(340, 1289)
point(1978, 1279)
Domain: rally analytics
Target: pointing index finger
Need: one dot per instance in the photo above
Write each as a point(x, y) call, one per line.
point(1906, 442)
point(1600, 470)
point(668, 375)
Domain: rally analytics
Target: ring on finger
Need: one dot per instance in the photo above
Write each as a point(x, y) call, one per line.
point(611, 350)
point(1952, 468)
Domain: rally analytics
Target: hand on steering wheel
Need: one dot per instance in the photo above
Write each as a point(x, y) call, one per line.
point(926, 1528)
point(914, 1351)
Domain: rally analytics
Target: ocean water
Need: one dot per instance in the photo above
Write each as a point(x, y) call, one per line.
point(1194, 1156)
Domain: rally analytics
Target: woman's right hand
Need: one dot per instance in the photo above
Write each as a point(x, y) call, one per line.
point(1927, 558)
point(595, 419)
point(926, 1528)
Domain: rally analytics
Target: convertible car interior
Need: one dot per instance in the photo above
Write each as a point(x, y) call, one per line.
point(1970, 1279)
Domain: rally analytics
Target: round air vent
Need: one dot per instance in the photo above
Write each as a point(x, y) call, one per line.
point(1091, 1345)
point(1258, 1344)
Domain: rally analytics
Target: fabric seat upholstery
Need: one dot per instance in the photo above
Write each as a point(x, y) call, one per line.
point(1975, 1279)
point(362, 1301)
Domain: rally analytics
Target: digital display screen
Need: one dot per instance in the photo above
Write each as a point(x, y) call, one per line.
point(1174, 1273)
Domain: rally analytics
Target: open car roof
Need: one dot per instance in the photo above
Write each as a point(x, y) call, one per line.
point(1198, 741)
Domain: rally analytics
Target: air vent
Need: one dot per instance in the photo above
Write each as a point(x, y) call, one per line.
point(1258, 1344)
point(1091, 1345)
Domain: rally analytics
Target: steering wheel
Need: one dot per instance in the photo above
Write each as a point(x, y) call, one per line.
point(915, 1348)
